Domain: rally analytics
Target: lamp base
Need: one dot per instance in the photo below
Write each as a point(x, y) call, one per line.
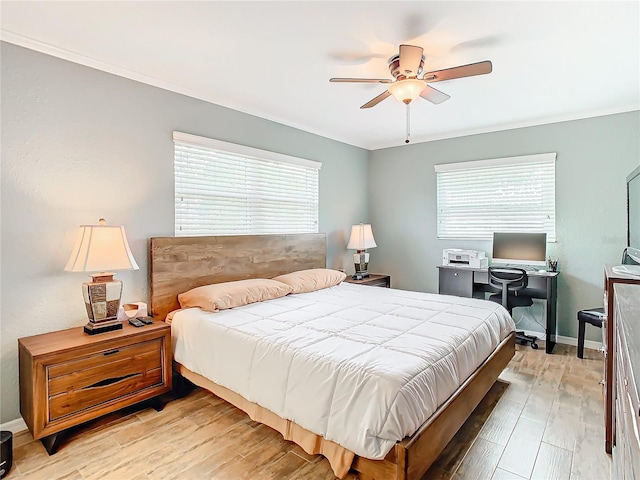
point(361, 264)
point(360, 275)
point(92, 328)
point(102, 297)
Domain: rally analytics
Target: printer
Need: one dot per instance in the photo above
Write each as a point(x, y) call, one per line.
point(464, 258)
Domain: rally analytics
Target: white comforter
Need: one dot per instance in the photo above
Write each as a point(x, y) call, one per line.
point(361, 366)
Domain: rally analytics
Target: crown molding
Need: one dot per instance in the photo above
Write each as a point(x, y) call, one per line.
point(74, 57)
point(514, 125)
point(91, 62)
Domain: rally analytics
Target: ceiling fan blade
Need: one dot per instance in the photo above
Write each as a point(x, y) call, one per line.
point(360, 80)
point(470, 70)
point(434, 96)
point(410, 58)
point(377, 100)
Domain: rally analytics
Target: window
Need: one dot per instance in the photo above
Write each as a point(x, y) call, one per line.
point(227, 189)
point(515, 194)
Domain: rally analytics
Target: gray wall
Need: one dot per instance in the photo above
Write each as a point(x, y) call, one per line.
point(594, 157)
point(79, 144)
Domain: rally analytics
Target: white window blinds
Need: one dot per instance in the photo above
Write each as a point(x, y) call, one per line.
point(515, 194)
point(227, 189)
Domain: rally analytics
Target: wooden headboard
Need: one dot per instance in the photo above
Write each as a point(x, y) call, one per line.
point(178, 264)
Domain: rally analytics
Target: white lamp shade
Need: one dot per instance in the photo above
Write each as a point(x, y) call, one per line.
point(408, 90)
point(100, 248)
point(361, 237)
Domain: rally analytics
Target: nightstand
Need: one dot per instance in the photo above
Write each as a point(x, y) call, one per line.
point(69, 377)
point(373, 280)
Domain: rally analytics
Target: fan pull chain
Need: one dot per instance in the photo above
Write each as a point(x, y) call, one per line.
point(408, 124)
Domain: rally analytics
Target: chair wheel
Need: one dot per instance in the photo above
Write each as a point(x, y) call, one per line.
point(534, 346)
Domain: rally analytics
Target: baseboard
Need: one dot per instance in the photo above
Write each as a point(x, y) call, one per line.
point(567, 340)
point(574, 341)
point(14, 426)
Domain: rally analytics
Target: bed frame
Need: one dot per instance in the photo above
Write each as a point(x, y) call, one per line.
point(181, 263)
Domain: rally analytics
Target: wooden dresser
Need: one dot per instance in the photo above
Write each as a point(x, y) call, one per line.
point(626, 449)
point(612, 281)
point(69, 377)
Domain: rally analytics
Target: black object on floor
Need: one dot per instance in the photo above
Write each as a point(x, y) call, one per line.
point(6, 452)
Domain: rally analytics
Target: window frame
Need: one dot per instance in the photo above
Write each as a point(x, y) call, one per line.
point(455, 180)
point(249, 170)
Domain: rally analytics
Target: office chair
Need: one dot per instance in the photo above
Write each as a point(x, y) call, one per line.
point(508, 281)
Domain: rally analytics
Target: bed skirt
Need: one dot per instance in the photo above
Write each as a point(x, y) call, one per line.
point(339, 457)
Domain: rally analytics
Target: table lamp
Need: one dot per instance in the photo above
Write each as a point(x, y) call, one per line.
point(361, 238)
point(100, 248)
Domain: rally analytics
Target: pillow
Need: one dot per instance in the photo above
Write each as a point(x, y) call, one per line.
point(220, 296)
point(304, 281)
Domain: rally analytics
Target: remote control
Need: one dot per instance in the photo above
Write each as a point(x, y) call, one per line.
point(145, 320)
point(135, 322)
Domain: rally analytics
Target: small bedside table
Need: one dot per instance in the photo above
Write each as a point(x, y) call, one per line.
point(69, 377)
point(373, 280)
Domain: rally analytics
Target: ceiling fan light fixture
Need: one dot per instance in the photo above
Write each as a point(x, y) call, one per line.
point(406, 91)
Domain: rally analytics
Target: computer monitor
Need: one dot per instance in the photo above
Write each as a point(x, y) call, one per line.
point(519, 248)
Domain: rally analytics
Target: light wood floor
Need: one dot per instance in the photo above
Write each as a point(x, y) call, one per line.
point(543, 421)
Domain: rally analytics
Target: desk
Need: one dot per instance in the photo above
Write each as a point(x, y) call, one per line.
point(474, 282)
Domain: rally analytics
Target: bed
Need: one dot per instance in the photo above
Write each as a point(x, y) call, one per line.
point(182, 263)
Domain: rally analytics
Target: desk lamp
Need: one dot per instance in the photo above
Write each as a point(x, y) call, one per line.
point(99, 248)
point(361, 239)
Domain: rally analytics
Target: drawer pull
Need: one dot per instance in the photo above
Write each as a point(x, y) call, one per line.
point(111, 352)
point(109, 381)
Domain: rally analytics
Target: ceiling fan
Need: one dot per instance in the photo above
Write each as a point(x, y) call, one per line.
point(406, 68)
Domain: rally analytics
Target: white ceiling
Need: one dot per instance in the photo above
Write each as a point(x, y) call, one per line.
point(552, 61)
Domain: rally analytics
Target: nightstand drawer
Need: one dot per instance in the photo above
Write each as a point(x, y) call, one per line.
point(128, 371)
point(101, 359)
point(379, 283)
point(95, 396)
